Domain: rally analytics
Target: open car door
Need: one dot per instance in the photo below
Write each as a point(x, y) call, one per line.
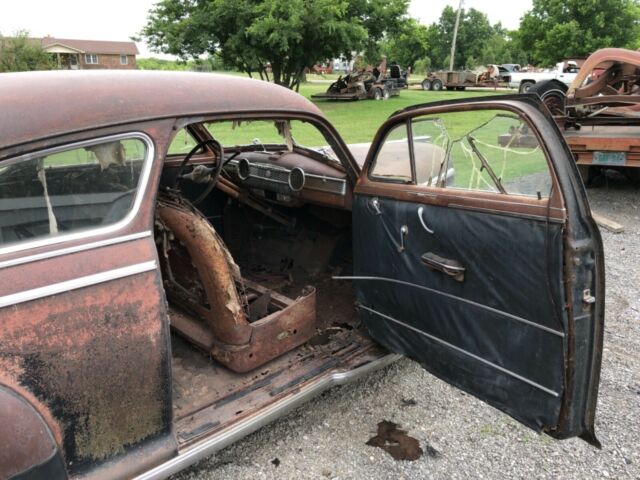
point(475, 254)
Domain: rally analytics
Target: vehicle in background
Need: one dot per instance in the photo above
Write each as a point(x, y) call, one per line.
point(599, 112)
point(376, 84)
point(511, 67)
point(494, 76)
point(564, 72)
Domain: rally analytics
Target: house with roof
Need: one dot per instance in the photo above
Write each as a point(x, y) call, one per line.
point(91, 54)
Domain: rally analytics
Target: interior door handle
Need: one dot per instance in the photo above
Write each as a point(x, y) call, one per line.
point(424, 225)
point(452, 268)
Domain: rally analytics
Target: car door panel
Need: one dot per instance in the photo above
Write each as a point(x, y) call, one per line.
point(488, 291)
point(479, 319)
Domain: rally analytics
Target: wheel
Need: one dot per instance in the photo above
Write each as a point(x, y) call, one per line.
point(436, 85)
point(552, 93)
point(377, 93)
point(525, 86)
point(426, 84)
point(386, 93)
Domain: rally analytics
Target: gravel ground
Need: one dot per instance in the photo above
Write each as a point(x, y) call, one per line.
point(326, 437)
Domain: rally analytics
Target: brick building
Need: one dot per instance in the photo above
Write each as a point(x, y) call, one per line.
point(91, 54)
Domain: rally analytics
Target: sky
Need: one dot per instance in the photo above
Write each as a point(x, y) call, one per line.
point(120, 19)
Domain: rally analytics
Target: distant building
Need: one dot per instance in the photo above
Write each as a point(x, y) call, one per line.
point(90, 54)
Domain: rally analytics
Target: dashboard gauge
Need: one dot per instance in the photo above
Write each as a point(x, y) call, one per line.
point(244, 169)
point(296, 179)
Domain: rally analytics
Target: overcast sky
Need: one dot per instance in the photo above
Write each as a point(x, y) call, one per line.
point(120, 19)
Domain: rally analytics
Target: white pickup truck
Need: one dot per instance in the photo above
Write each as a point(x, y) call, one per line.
point(564, 71)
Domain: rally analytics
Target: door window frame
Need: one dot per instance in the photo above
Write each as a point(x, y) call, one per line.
point(551, 207)
point(145, 173)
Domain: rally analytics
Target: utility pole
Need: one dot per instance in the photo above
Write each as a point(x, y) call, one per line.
point(455, 36)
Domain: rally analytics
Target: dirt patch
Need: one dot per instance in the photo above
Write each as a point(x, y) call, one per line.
point(396, 442)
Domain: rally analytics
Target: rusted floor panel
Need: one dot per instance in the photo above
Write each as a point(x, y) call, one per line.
point(208, 396)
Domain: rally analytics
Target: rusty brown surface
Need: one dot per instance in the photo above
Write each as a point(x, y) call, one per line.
point(46, 104)
point(603, 57)
point(211, 292)
point(95, 357)
point(25, 439)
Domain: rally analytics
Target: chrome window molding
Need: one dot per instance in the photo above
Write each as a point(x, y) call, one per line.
point(76, 283)
point(453, 297)
point(141, 189)
point(78, 248)
point(463, 351)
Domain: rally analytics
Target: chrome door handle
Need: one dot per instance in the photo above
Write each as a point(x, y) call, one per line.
point(404, 230)
point(375, 204)
point(424, 225)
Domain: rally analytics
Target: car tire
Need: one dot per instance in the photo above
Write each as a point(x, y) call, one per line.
point(386, 93)
point(436, 85)
point(377, 93)
point(525, 86)
point(553, 95)
point(426, 84)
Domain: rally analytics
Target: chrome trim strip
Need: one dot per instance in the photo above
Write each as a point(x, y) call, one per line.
point(140, 193)
point(463, 351)
point(75, 249)
point(76, 283)
point(266, 415)
point(454, 297)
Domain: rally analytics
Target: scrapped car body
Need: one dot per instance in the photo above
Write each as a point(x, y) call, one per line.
point(598, 112)
point(185, 257)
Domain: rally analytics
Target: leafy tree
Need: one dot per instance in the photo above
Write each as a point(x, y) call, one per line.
point(283, 37)
point(21, 53)
point(408, 45)
point(556, 29)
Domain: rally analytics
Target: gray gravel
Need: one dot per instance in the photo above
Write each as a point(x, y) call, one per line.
point(326, 437)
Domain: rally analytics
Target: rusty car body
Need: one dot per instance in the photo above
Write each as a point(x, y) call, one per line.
point(185, 257)
point(598, 111)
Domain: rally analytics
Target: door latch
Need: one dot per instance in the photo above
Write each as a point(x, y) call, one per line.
point(375, 204)
point(587, 297)
point(404, 230)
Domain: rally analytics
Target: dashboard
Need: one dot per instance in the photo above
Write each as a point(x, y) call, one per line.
point(290, 178)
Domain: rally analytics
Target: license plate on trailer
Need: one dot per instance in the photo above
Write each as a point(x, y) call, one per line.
point(609, 158)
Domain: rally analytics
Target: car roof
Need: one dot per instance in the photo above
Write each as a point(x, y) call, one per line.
point(38, 105)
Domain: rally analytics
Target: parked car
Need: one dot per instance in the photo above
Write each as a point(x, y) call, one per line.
point(598, 112)
point(185, 257)
point(494, 76)
point(564, 72)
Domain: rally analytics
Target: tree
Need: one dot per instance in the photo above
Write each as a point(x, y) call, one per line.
point(475, 33)
point(20, 53)
point(408, 45)
point(283, 37)
point(556, 29)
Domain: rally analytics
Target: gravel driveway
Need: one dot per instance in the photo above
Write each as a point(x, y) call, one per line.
point(326, 437)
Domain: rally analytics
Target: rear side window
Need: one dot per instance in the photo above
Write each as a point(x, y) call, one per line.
point(69, 191)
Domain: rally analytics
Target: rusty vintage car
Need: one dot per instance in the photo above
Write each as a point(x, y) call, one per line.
point(599, 112)
point(184, 257)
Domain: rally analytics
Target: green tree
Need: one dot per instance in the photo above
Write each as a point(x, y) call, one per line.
point(556, 29)
point(283, 37)
point(20, 53)
point(408, 45)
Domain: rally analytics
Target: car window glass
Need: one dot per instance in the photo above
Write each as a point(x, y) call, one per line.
point(269, 135)
point(182, 143)
point(69, 191)
point(486, 150)
point(430, 144)
point(393, 161)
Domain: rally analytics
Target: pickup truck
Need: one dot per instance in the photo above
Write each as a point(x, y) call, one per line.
point(564, 71)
